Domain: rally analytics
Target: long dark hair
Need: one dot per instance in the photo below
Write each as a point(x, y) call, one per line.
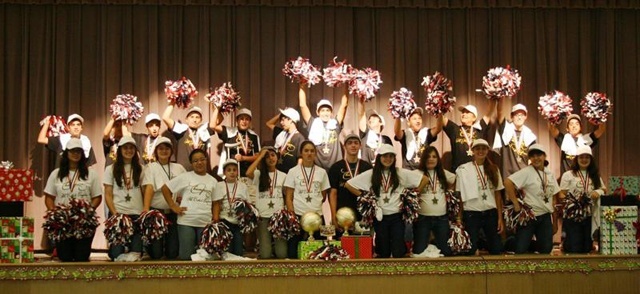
point(263, 185)
point(592, 171)
point(118, 168)
point(63, 171)
point(376, 177)
point(438, 169)
point(491, 170)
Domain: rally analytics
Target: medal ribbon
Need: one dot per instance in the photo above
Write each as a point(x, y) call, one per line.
point(386, 182)
point(272, 183)
point(353, 174)
point(149, 146)
point(543, 180)
point(584, 180)
point(433, 181)
point(468, 137)
point(244, 143)
point(481, 176)
point(72, 182)
point(235, 189)
point(286, 142)
point(308, 180)
point(195, 139)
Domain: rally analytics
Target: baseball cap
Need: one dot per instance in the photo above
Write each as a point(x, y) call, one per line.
point(291, 113)
point(519, 107)
point(324, 102)
point(584, 150)
point(351, 136)
point(386, 149)
point(195, 109)
point(479, 142)
point(75, 116)
point(163, 140)
point(469, 108)
point(74, 143)
point(151, 117)
point(574, 116)
point(126, 140)
point(538, 147)
point(244, 111)
point(228, 162)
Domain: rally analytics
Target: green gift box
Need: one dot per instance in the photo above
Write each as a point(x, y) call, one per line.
point(16, 227)
point(16, 239)
point(617, 233)
point(306, 247)
point(631, 184)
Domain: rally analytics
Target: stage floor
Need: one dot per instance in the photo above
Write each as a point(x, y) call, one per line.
point(475, 274)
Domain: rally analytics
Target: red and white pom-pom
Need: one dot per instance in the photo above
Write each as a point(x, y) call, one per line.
point(577, 207)
point(152, 225)
point(436, 82)
point(337, 72)
point(225, 98)
point(329, 252)
point(118, 229)
point(596, 107)
point(126, 107)
point(284, 224)
point(453, 204)
point(409, 205)
point(501, 82)
point(216, 238)
point(439, 102)
point(56, 223)
point(365, 83)
point(180, 92)
point(302, 71)
point(83, 218)
point(555, 106)
point(247, 215)
point(367, 206)
point(459, 239)
point(57, 125)
point(401, 103)
point(513, 219)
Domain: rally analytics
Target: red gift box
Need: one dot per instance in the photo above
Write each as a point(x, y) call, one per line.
point(16, 184)
point(358, 247)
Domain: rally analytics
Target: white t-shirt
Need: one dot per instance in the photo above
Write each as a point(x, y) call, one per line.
point(157, 175)
point(126, 201)
point(437, 207)
point(226, 199)
point(307, 199)
point(63, 191)
point(574, 185)
point(478, 197)
point(197, 197)
point(530, 180)
point(270, 202)
point(388, 201)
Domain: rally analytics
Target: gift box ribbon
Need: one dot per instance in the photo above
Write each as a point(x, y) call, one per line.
point(621, 191)
point(612, 228)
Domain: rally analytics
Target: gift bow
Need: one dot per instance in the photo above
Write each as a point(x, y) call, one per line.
point(6, 165)
point(621, 191)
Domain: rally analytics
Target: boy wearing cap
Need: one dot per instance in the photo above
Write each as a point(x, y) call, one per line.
point(415, 138)
point(513, 139)
point(370, 125)
point(190, 136)
point(461, 136)
point(240, 143)
point(56, 144)
point(324, 130)
point(540, 189)
point(287, 138)
point(148, 141)
point(570, 142)
point(342, 171)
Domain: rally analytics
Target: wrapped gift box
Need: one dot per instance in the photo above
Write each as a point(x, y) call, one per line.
point(618, 235)
point(16, 184)
point(358, 247)
point(306, 247)
point(631, 184)
point(16, 239)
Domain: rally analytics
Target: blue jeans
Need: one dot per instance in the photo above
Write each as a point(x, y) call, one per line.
point(168, 245)
point(390, 236)
point(236, 247)
point(542, 228)
point(487, 221)
point(422, 229)
point(578, 239)
point(189, 238)
point(134, 246)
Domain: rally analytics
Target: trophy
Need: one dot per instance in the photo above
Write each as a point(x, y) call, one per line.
point(310, 222)
point(345, 218)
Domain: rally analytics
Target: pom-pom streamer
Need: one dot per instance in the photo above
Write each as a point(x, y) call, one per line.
point(337, 73)
point(365, 84)
point(225, 98)
point(284, 224)
point(216, 238)
point(501, 82)
point(302, 71)
point(247, 215)
point(401, 103)
point(181, 92)
point(153, 225)
point(126, 107)
point(409, 205)
point(596, 107)
point(555, 106)
point(118, 229)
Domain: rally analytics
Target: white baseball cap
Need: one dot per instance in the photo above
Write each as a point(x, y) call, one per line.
point(126, 140)
point(386, 149)
point(469, 108)
point(163, 140)
point(151, 117)
point(538, 147)
point(352, 136)
point(480, 142)
point(74, 143)
point(291, 113)
point(373, 112)
point(584, 150)
point(324, 102)
point(228, 162)
point(244, 111)
point(519, 107)
point(75, 116)
point(194, 109)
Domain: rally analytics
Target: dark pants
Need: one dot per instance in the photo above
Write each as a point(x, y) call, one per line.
point(134, 246)
point(542, 228)
point(390, 236)
point(236, 246)
point(422, 229)
point(168, 245)
point(73, 249)
point(292, 244)
point(578, 238)
point(487, 221)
